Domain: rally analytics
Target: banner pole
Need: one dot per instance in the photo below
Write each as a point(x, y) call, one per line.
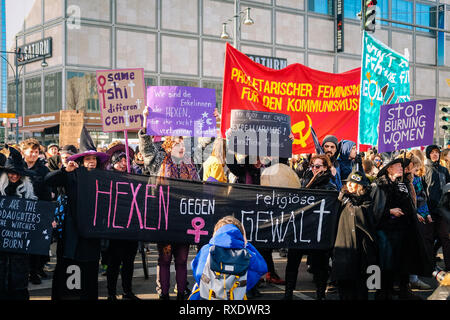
point(125, 132)
point(360, 89)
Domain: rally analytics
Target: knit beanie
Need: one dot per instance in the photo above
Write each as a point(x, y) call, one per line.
point(430, 148)
point(330, 138)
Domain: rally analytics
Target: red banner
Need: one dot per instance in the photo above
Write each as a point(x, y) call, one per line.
point(328, 102)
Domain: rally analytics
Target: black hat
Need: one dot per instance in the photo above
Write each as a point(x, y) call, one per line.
point(87, 148)
point(117, 156)
point(405, 161)
point(69, 148)
point(430, 148)
point(358, 176)
point(15, 164)
point(330, 138)
point(120, 148)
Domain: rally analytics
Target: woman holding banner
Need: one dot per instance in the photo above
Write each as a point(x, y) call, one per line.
point(175, 166)
point(15, 267)
point(76, 255)
point(319, 177)
point(120, 252)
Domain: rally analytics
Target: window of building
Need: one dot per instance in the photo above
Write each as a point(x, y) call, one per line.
point(11, 107)
point(81, 91)
point(149, 82)
point(179, 82)
point(425, 16)
point(218, 86)
point(321, 6)
point(33, 96)
point(53, 92)
point(402, 10)
point(351, 9)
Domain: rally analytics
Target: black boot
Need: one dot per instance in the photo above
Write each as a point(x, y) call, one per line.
point(405, 293)
point(164, 297)
point(288, 295)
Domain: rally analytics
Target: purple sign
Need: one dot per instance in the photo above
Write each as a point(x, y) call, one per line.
point(181, 111)
point(406, 125)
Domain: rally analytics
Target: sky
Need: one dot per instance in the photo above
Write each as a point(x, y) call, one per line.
point(16, 11)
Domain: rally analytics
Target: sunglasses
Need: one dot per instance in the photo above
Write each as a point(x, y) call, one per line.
point(356, 177)
point(317, 166)
point(377, 160)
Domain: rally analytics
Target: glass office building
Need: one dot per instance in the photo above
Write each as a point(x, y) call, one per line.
point(3, 62)
point(177, 42)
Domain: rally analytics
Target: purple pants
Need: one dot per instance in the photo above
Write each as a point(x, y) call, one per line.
point(180, 253)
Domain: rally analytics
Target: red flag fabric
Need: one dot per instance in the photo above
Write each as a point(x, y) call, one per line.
point(329, 102)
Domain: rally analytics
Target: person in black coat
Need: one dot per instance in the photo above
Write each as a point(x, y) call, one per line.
point(72, 249)
point(15, 267)
point(400, 244)
point(30, 150)
point(120, 252)
point(435, 179)
point(319, 177)
point(355, 246)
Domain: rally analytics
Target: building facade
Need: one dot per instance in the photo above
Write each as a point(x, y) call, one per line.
point(177, 42)
point(3, 62)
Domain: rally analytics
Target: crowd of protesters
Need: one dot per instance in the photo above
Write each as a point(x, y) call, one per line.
point(394, 213)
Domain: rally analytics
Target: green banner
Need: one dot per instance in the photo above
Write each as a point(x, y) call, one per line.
point(384, 80)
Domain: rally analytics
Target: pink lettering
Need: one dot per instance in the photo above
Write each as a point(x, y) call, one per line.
point(133, 204)
point(145, 208)
point(166, 208)
point(198, 224)
point(115, 207)
point(96, 200)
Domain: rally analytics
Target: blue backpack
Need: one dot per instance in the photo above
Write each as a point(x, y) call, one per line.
point(224, 276)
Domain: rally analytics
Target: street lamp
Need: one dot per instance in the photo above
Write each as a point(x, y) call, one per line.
point(239, 17)
point(16, 74)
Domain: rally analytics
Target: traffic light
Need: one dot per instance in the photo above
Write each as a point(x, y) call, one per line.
point(369, 13)
point(445, 118)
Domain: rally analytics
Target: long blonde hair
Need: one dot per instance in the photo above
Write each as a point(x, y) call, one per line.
point(219, 149)
point(421, 166)
point(25, 188)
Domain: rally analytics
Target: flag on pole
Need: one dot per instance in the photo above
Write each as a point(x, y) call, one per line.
point(384, 80)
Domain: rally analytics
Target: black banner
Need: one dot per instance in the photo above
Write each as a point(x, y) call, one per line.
point(147, 208)
point(25, 225)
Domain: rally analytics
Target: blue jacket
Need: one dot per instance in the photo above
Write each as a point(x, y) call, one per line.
point(228, 236)
point(344, 162)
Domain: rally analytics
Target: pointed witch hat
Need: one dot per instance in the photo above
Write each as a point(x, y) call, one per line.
point(87, 148)
point(358, 175)
point(14, 162)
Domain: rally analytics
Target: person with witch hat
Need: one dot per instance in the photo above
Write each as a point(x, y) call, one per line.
point(73, 249)
point(355, 247)
point(120, 252)
point(401, 248)
point(14, 267)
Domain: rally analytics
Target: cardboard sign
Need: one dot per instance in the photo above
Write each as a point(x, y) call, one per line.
point(115, 205)
point(259, 133)
point(25, 225)
point(181, 111)
point(122, 98)
point(406, 125)
point(70, 126)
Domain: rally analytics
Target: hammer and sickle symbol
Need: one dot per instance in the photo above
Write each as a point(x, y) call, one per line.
point(298, 128)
